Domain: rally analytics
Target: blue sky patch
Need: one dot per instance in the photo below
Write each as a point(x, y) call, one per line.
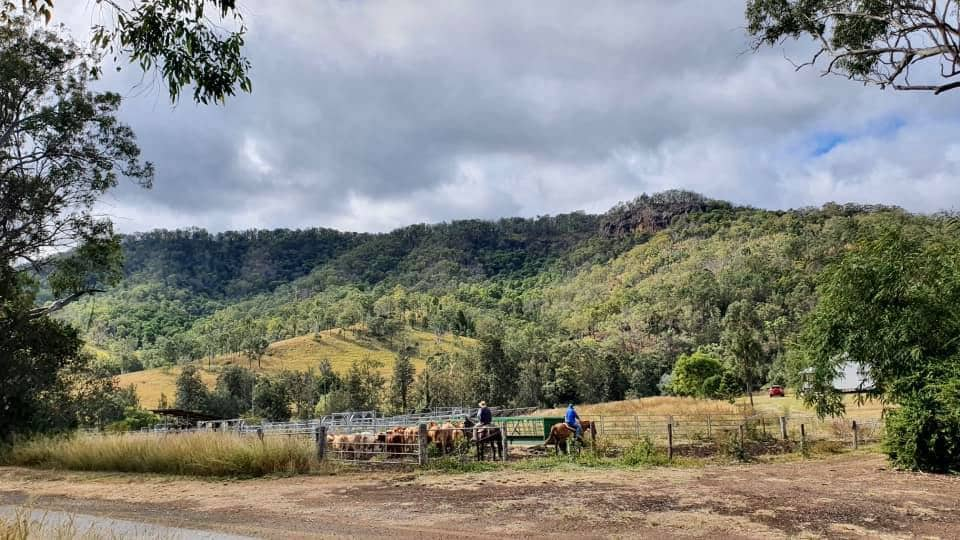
point(823, 143)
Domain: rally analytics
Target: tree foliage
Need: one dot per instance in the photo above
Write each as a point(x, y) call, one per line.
point(61, 149)
point(400, 383)
point(904, 44)
point(271, 399)
point(890, 305)
point(192, 394)
point(701, 374)
point(188, 42)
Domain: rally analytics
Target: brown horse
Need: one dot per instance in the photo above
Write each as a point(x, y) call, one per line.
point(559, 434)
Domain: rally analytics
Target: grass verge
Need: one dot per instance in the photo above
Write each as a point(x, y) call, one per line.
point(195, 454)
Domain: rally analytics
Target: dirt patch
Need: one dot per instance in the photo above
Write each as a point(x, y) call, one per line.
point(847, 496)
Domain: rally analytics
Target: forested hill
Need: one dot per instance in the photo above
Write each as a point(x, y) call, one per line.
point(620, 294)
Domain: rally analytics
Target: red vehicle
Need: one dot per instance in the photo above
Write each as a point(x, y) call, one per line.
point(776, 391)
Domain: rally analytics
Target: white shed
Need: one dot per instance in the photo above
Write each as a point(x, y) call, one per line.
point(851, 377)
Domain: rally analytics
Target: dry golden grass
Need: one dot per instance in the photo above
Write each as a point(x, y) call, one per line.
point(299, 354)
point(151, 383)
point(198, 454)
point(25, 525)
point(667, 405)
point(664, 405)
point(790, 404)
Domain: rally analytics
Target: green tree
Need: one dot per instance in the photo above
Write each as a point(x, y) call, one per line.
point(233, 392)
point(874, 42)
point(890, 305)
point(254, 346)
point(692, 371)
point(741, 339)
point(271, 400)
point(185, 41)
point(364, 384)
point(500, 376)
point(99, 399)
point(192, 394)
point(403, 376)
point(301, 388)
point(61, 149)
point(327, 379)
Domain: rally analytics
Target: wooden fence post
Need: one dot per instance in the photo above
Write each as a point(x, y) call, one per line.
point(636, 422)
point(422, 444)
point(803, 438)
point(856, 436)
point(670, 442)
point(742, 438)
point(320, 436)
point(763, 425)
point(709, 427)
point(783, 427)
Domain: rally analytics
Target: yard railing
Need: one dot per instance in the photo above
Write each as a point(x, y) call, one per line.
point(364, 437)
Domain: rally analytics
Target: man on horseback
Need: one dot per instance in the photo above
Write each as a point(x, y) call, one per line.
point(484, 414)
point(572, 419)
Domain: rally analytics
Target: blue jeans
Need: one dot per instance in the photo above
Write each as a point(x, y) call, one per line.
point(577, 428)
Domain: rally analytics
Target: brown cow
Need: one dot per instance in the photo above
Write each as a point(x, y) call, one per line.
point(342, 446)
point(395, 442)
point(446, 437)
point(410, 435)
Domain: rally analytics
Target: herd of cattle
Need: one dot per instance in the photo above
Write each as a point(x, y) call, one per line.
point(399, 441)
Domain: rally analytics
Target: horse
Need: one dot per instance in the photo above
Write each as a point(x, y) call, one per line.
point(484, 435)
point(559, 433)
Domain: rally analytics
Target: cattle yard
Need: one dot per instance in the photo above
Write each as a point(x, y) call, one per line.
point(363, 437)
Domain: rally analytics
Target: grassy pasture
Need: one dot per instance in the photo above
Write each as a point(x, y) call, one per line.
point(300, 354)
point(667, 405)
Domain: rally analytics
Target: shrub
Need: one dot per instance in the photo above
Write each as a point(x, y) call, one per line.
point(643, 452)
point(690, 373)
point(730, 445)
point(924, 432)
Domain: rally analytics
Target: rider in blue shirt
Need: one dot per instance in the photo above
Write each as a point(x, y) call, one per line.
point(572, 419)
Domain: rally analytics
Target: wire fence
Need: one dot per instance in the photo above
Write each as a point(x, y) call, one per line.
point(366, 437)
point(694, 429)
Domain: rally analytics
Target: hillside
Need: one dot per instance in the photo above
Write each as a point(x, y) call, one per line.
point(299, 354)
point(581, 307)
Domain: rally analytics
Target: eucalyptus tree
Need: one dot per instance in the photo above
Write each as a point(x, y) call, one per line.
point(902, 44)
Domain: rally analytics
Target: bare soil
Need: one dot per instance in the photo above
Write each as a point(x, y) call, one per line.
point(847, 496)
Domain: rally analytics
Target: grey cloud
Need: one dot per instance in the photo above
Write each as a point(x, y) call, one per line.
point(370, 115)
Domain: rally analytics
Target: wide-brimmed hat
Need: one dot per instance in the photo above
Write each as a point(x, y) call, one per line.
point(483, 403)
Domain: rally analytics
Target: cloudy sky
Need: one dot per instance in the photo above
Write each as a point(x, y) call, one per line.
point(368, 115)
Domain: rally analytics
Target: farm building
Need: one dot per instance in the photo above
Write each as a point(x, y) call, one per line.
point(851, 377)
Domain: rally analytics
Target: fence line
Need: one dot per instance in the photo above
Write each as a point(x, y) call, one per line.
point(366, 438)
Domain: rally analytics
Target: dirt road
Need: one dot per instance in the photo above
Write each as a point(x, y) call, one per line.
point(854, 495)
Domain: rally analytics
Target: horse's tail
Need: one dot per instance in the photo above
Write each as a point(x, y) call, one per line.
point(552, 439)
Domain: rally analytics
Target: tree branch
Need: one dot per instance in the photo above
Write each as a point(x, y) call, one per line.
point(60, 304)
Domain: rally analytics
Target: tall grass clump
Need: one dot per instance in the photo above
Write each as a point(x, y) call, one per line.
point(23, 525)
point(643, 453)
point(195, 454)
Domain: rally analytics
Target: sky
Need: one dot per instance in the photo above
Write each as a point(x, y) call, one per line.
point(369, 115)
